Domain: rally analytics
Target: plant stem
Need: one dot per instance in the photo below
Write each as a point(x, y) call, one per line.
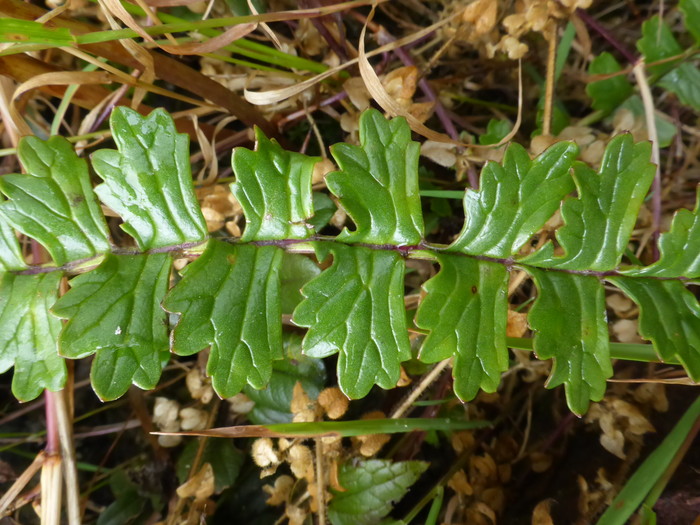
point(648, 103)
point(70, 472)
point(549, 84)
point(51, 486)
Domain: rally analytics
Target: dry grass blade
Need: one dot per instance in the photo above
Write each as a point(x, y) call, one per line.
point(148, 74)
point(166, 68)
point(23, 68)
point(273, 96)
point(213, 44)
point(390, 106)
point(170, 3)
point(55, 78)
point(14, 491)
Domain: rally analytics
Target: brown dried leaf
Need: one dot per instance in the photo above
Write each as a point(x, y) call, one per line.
point(279, 492)
point(333, 402)
point(357, 92)
point(264, 454)
point(200, 486)
point(619, 304)
point(401, 83)
point(303, 408)
point(240, 404)
point(214, 219)
point(199, 385)
point(654, 393)
point(460, 484)
point(440, 153)
point(483, 470)
point(517, 324)
point(482, 15)
point(626, 331)
point(321, 169)
point(301, 462)
point(193, 419)
point(295, 514)
point(540, 461)
point(462, 440)
point(541, 515)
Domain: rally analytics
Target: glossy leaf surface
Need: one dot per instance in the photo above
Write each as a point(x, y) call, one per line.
point(229, 299)
point(570, 326)
point(10, 252)
point(356, 308)
point(466, 310)
point(598, 224)
point(53, 202)
point(296, 271)
point(679, 247)
point(148, 180)
point(371, 488)
point(273, 187)
point(29, 333)
point(607, 94)
point(378, 183)
point(669, 316)
point(515, 199)
point(114, 312)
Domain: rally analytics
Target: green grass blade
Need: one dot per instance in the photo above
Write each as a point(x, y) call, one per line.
point(638, 486)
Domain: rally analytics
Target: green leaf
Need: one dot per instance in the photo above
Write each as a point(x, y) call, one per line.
point(225, 459)
point(128, 502)
point(356, 308)
point(148, 181)
point(124, 510)
point(29, 333)
point(272, 403)
point(684, 81)
point(607, 94)
point(54, 202)
point(570, 327)
point(691, 11)
point(598, 224)
point(495, 131)
point(371, 489)
point(296, 271)
point(229, 299)
point(378, 183)
point(114, 312)
point(324, 209)
point(465, 310)
point(669, 316)
point(658, 43)
point(10, 252)
point(515, 199)
point(273, 187)
point(680, 256)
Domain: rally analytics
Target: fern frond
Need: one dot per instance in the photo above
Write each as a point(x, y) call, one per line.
point(229, 298)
